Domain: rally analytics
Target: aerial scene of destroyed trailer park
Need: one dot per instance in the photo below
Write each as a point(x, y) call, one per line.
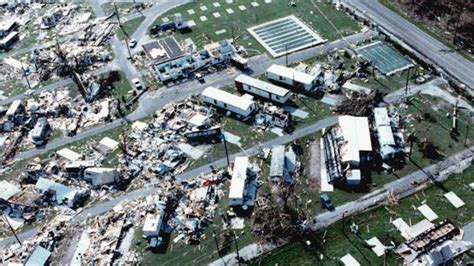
point(236, 132)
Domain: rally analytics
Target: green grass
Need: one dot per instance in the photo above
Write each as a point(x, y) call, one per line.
point(122, 7)
point(203, 32)
point(129, 27)
point(434, 32)
point(376, 223)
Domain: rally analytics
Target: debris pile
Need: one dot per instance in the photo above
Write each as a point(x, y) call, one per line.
point(157, 148)
point(47, 239)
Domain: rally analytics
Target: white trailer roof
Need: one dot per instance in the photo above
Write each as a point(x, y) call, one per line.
point(262, 85)
point(242, 102)
point(69, 154)
point(356, 133)
point(7, 190)
point(239, 175)
point(152, 223)
point(381, 116)
point(278, 161)
point(291, 74)
point(385, 135)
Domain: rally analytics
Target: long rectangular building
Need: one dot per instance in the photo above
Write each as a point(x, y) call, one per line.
point(292, 77)
point(263, 89)
point(237, 183)
point(243, 105)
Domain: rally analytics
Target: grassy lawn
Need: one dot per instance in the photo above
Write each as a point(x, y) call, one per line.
point(434, 32)
point(240, 20)
point(337, 240)
point(129, 27)
point(122, 7)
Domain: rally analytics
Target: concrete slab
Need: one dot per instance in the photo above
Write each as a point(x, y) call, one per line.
point(403, 227)
point(331, 100)
point(268, 1)
point(216, 14)
point(454, 200)
point(255, 4)
point(216, 4)
point(191, 23)
point(348, 260)
point(296, 112)
point(231, 138)
point(191, 151)
point(419, 228)
point(82, 246)
point(203, 8)
point(219, 32)
point(203, 18)
point(429, 214)
point(165, 19)
point(377, 247)
point(230, 11)
point(278, 131)
point(191, 12)
point(229, 1)
point(242, 7)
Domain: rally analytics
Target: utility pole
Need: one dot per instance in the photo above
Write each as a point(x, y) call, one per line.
point(457, 22)
point(11, 228)
point(406, 85)
point(123, 30)
point(236, 247)
point(217, 244)
point(225, 147)
point(26, 76)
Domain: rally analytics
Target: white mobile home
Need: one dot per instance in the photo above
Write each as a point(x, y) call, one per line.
point(101, 176)
point(297, 79)
point(240, 105)
point(277, 165)
point(237, 183)
point(386, 138)
point(152, 224)
point(263, 89)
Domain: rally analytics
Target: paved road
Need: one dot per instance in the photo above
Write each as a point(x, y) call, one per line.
point(154, 100)
point(55, 85)
point(402, 187)
point(453, 63)
point(400, 95)
point(108, 205)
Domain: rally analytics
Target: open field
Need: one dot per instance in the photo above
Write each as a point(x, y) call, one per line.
point(129, 27)
point(313, 13)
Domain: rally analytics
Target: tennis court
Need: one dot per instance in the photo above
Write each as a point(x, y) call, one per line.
point(384, 58)
point(285, 35)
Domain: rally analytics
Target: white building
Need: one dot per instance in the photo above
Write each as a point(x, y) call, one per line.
point(277, 166)
point(357, 145)
point(297, 79)
point(237, 183)
point(152, 224)
point(243, 185)
point(263, 89)
point(101, 176)
point(241, 105)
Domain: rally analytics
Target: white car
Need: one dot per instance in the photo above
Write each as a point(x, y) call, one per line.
point(132, 43)
point(138, 85)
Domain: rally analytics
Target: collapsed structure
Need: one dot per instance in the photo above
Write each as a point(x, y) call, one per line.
point(390, 142)
point(181, 66)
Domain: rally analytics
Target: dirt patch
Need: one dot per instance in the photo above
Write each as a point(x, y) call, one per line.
point(313, 165)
